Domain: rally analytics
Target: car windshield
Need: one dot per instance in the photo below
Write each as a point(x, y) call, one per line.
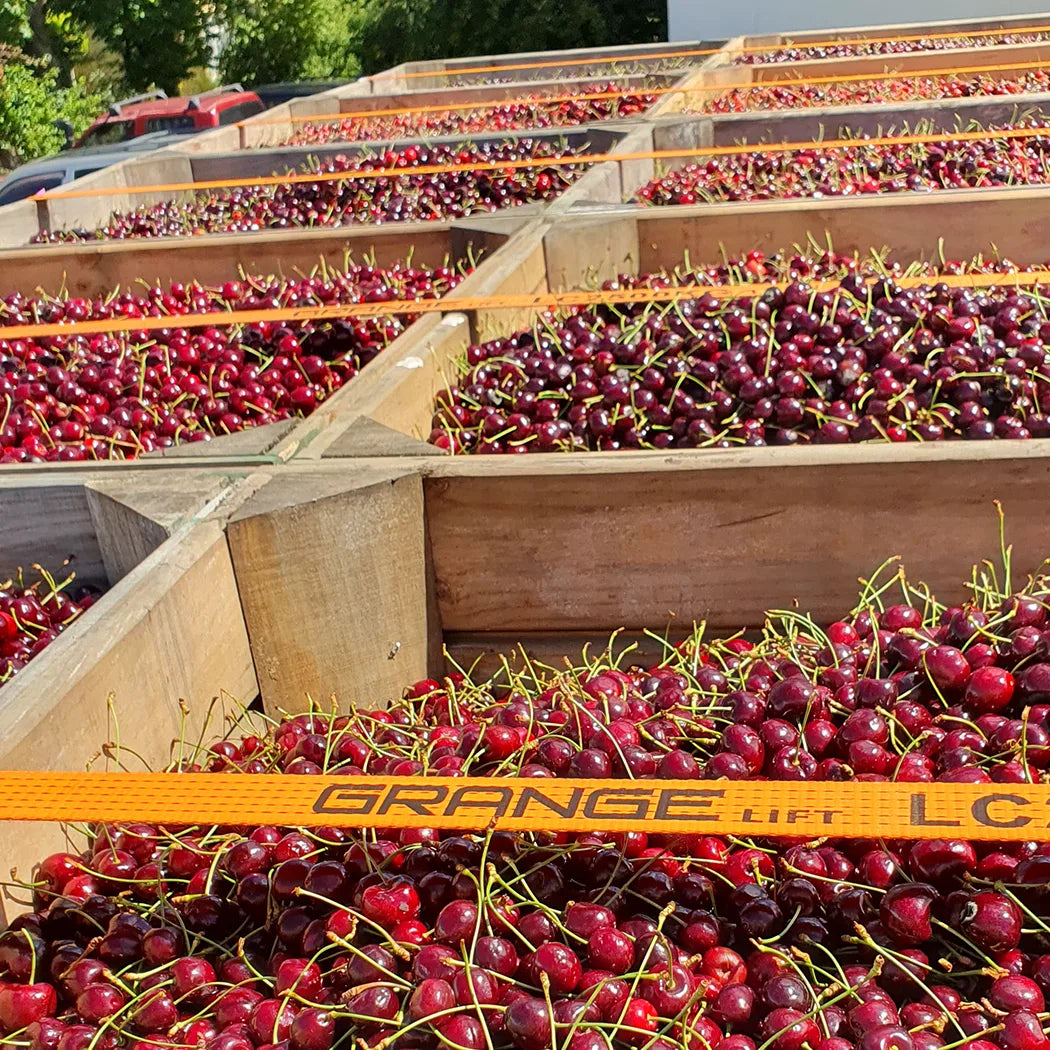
point(26, 187)
point(109, 133)
point(240, 112)
point(181, 122)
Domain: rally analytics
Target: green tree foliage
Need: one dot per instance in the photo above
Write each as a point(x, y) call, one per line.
point(31, 100)
point(14, 22)
point(159, 41)
point(46, 31)
point(395, 31)
point(268, 41)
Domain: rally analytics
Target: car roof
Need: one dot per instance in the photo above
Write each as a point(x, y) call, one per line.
point(163, 107)
point(97, 156)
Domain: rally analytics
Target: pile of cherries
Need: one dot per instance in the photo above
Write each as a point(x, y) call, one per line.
point(350, 200)
point(860, 170)
point(245, 938)
point(868, 360)
point(34, 614)
point(122, 394)
point(881, 46)
point(881, 92)
point(538, 112)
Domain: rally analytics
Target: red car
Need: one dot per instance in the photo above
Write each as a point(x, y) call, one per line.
point(154, 111)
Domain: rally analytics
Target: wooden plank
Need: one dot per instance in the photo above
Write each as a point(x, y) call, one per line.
point(365, 437)
point(405, 354)
point(217, 140)
point(606, 181)
point(1004, 54)
point(47, 525)
point(811, 457)
point(125, 536)
point(585, 254)
point(19, 223)
point(163, 166)
point(92, 269)
point(1015, 222)
point(279, 159)
point(603, 550)
point(333, 583)
point(814, 123)
point(690, 95)
point(253, 441)
point(171, 630)
point(403, 400)
point(133, 515)
point(518, 270)
point(1013, 23)
point(482, 94)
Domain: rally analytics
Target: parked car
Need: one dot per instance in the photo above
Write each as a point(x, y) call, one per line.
point(186, 114)
point(274, 94)
point(70, 164)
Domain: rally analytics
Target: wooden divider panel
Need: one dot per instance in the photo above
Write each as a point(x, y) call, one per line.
point(596, 546)
point(333, 581)
point(1014, 222)
point(171, 630)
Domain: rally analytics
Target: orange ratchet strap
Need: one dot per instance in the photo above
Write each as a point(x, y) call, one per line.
point(560, 160)
point(451, 304)
point(798, 809)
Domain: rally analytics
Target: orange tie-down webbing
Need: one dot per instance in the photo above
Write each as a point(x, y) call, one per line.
point(559, 160)
point(798, 808)
point(756, 49)
point(529, 301)
point(619, 93)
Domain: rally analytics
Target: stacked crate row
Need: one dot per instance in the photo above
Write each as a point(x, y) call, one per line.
point(337, 554)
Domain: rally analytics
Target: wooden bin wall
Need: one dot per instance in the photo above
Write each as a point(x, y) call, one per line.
point(583, 252)
point(481, 554)
point(169, 627)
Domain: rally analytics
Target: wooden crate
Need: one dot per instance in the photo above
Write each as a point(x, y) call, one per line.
point(168, 629)
point(169, 168)
point(1007, 23)
point(94, 269)
point(943, 59)
point(802, 126)
point(443, 72)
point(276, 126)
point(394, 410)
point(815, 122)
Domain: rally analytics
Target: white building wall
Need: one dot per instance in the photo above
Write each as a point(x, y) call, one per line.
point(709, 20)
